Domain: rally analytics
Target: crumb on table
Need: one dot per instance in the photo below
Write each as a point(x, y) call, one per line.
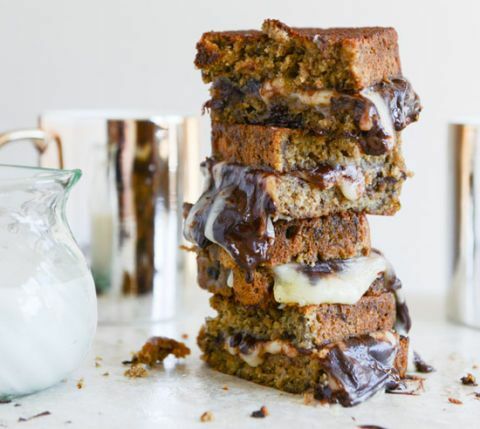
point(136, 371)
point(80, 383)
point(261, 413)
point(207, 416)
point(469, 380)
point(455, 401)
point(156, 349)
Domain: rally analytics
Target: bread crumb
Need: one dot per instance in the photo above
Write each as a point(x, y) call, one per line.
point(455, 401)
point(207, 416)
point(469, 380)
point(106, 374)
point(80, 383)
point(156, 349)
point(136, 371)
point(185, 336)
point(308, 398)
point(225, 387)
point(261, 413)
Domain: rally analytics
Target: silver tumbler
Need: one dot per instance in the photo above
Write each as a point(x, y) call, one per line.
point(463, 304)
point(127, 214)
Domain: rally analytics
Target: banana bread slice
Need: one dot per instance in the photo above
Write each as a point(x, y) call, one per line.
point(218, 273)
point(308, 326)
point(373, 117)
point(348, 371)
point(286, 149)
point(240, 203)
point(337, 236)
point(342, 58)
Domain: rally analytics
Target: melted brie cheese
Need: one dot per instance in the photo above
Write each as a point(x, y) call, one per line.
point(346, 286)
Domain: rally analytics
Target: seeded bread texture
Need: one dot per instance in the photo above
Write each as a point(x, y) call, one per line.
point(341, 58)
point(307, 326)
point(297, 198)
point(298, 374)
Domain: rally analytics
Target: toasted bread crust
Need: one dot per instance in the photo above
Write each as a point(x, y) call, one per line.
point(342, 58)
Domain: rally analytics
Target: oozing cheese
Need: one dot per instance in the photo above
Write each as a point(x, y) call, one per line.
point(346, 286)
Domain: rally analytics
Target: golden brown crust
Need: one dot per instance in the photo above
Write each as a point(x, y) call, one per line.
point(346, 58)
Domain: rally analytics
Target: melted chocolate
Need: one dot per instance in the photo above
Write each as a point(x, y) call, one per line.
point(402, 102)
point(244, 342)
point(324, 176)
point(320, 269)
point(243, 209)
point(421, 365)
point(240, 224)
point(404, 322)
point(360, 367)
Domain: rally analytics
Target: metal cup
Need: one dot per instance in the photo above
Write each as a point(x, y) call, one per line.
point(138, 170)
point(463, 304)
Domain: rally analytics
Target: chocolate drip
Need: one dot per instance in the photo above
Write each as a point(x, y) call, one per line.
point(402, 103)
point(240, 221)
point(360, 367)
point(243, 209)
point(421, 365)
point(404, 322)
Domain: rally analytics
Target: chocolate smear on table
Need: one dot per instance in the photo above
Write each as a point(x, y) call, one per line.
point(404, 388)
point(26, 419)
point(421, 365)
point(360, 367)
point(370, 427)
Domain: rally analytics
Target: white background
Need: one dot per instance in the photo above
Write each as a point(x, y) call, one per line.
point(59, 54)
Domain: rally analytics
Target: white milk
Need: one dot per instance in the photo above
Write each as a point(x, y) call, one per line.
point(48, 316)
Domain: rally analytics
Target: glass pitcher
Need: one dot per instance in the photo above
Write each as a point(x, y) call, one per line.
point(48, 311)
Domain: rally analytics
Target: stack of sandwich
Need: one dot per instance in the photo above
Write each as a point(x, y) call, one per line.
point(305, 143)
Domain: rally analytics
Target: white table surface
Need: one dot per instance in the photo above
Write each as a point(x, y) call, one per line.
point(176, 395)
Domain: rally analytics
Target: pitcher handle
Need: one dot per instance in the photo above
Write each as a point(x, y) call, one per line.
point(40, 139)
